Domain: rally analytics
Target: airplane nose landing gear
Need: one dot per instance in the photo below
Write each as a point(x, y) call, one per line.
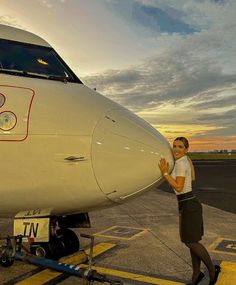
point(64, 242)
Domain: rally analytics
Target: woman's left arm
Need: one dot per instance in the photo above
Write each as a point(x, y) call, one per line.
point(177, 184)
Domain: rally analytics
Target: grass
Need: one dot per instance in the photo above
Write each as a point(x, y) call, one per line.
point(212, 156)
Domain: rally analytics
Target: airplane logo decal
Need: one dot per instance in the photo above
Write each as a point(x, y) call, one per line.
point(15, 107)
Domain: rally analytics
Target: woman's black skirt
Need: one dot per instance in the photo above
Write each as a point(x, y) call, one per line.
point(190, 219)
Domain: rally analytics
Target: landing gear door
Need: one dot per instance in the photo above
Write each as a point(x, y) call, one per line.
point(33, 225)
point(33, 229)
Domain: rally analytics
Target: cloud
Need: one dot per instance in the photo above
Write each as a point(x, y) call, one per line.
point(220, 2)
point(171, 93)
point(213, 143)
point(228, 116)
point(175, 78)
point(190, 82)
point(160, 20)
point(179, 85)
point(51, 3)
point(215, 99)
point(183, 16)
point(46, 3)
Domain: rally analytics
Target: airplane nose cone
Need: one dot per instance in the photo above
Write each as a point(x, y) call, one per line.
point(125, 154)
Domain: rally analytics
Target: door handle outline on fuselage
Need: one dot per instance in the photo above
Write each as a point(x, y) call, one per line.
point(75, 158)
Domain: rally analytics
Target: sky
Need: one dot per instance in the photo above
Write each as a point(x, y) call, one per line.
point(172, 62)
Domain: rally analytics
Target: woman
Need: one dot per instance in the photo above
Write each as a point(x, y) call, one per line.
point(190, 210)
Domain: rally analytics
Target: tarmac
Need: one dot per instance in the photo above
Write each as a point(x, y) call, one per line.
point(138, 243)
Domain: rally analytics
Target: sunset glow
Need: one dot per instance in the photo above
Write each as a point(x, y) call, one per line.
point(171, 62)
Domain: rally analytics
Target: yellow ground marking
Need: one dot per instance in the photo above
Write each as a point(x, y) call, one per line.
point(133, 276)
point(212, 247)
point(103, 233)
point(228, 273)
point(48, 274)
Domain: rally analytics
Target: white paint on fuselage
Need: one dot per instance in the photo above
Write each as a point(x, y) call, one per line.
point(57, 120)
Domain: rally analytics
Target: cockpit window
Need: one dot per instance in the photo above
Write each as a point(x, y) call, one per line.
point(33, 61)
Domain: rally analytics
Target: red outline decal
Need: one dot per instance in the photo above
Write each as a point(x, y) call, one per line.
point(4, 99)
point(28, 118)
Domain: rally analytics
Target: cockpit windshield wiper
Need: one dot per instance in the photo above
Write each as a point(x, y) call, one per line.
point(12, 71)
point(33, 74)
point(60, 78)
point(53, 77)
point(21, 72)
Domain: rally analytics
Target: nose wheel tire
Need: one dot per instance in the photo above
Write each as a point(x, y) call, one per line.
point(41, 251)
point(66, 242)
point(6, 261)
point(70, 240)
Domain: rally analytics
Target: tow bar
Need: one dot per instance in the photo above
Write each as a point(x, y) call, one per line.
point(15, 250)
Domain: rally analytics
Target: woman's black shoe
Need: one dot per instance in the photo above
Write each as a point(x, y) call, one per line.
point(199, 278)
point(217, 272)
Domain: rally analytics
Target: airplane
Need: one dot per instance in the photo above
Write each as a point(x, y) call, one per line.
point(66, 150)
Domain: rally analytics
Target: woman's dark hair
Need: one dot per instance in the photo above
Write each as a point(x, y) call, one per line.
point(183, 140)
